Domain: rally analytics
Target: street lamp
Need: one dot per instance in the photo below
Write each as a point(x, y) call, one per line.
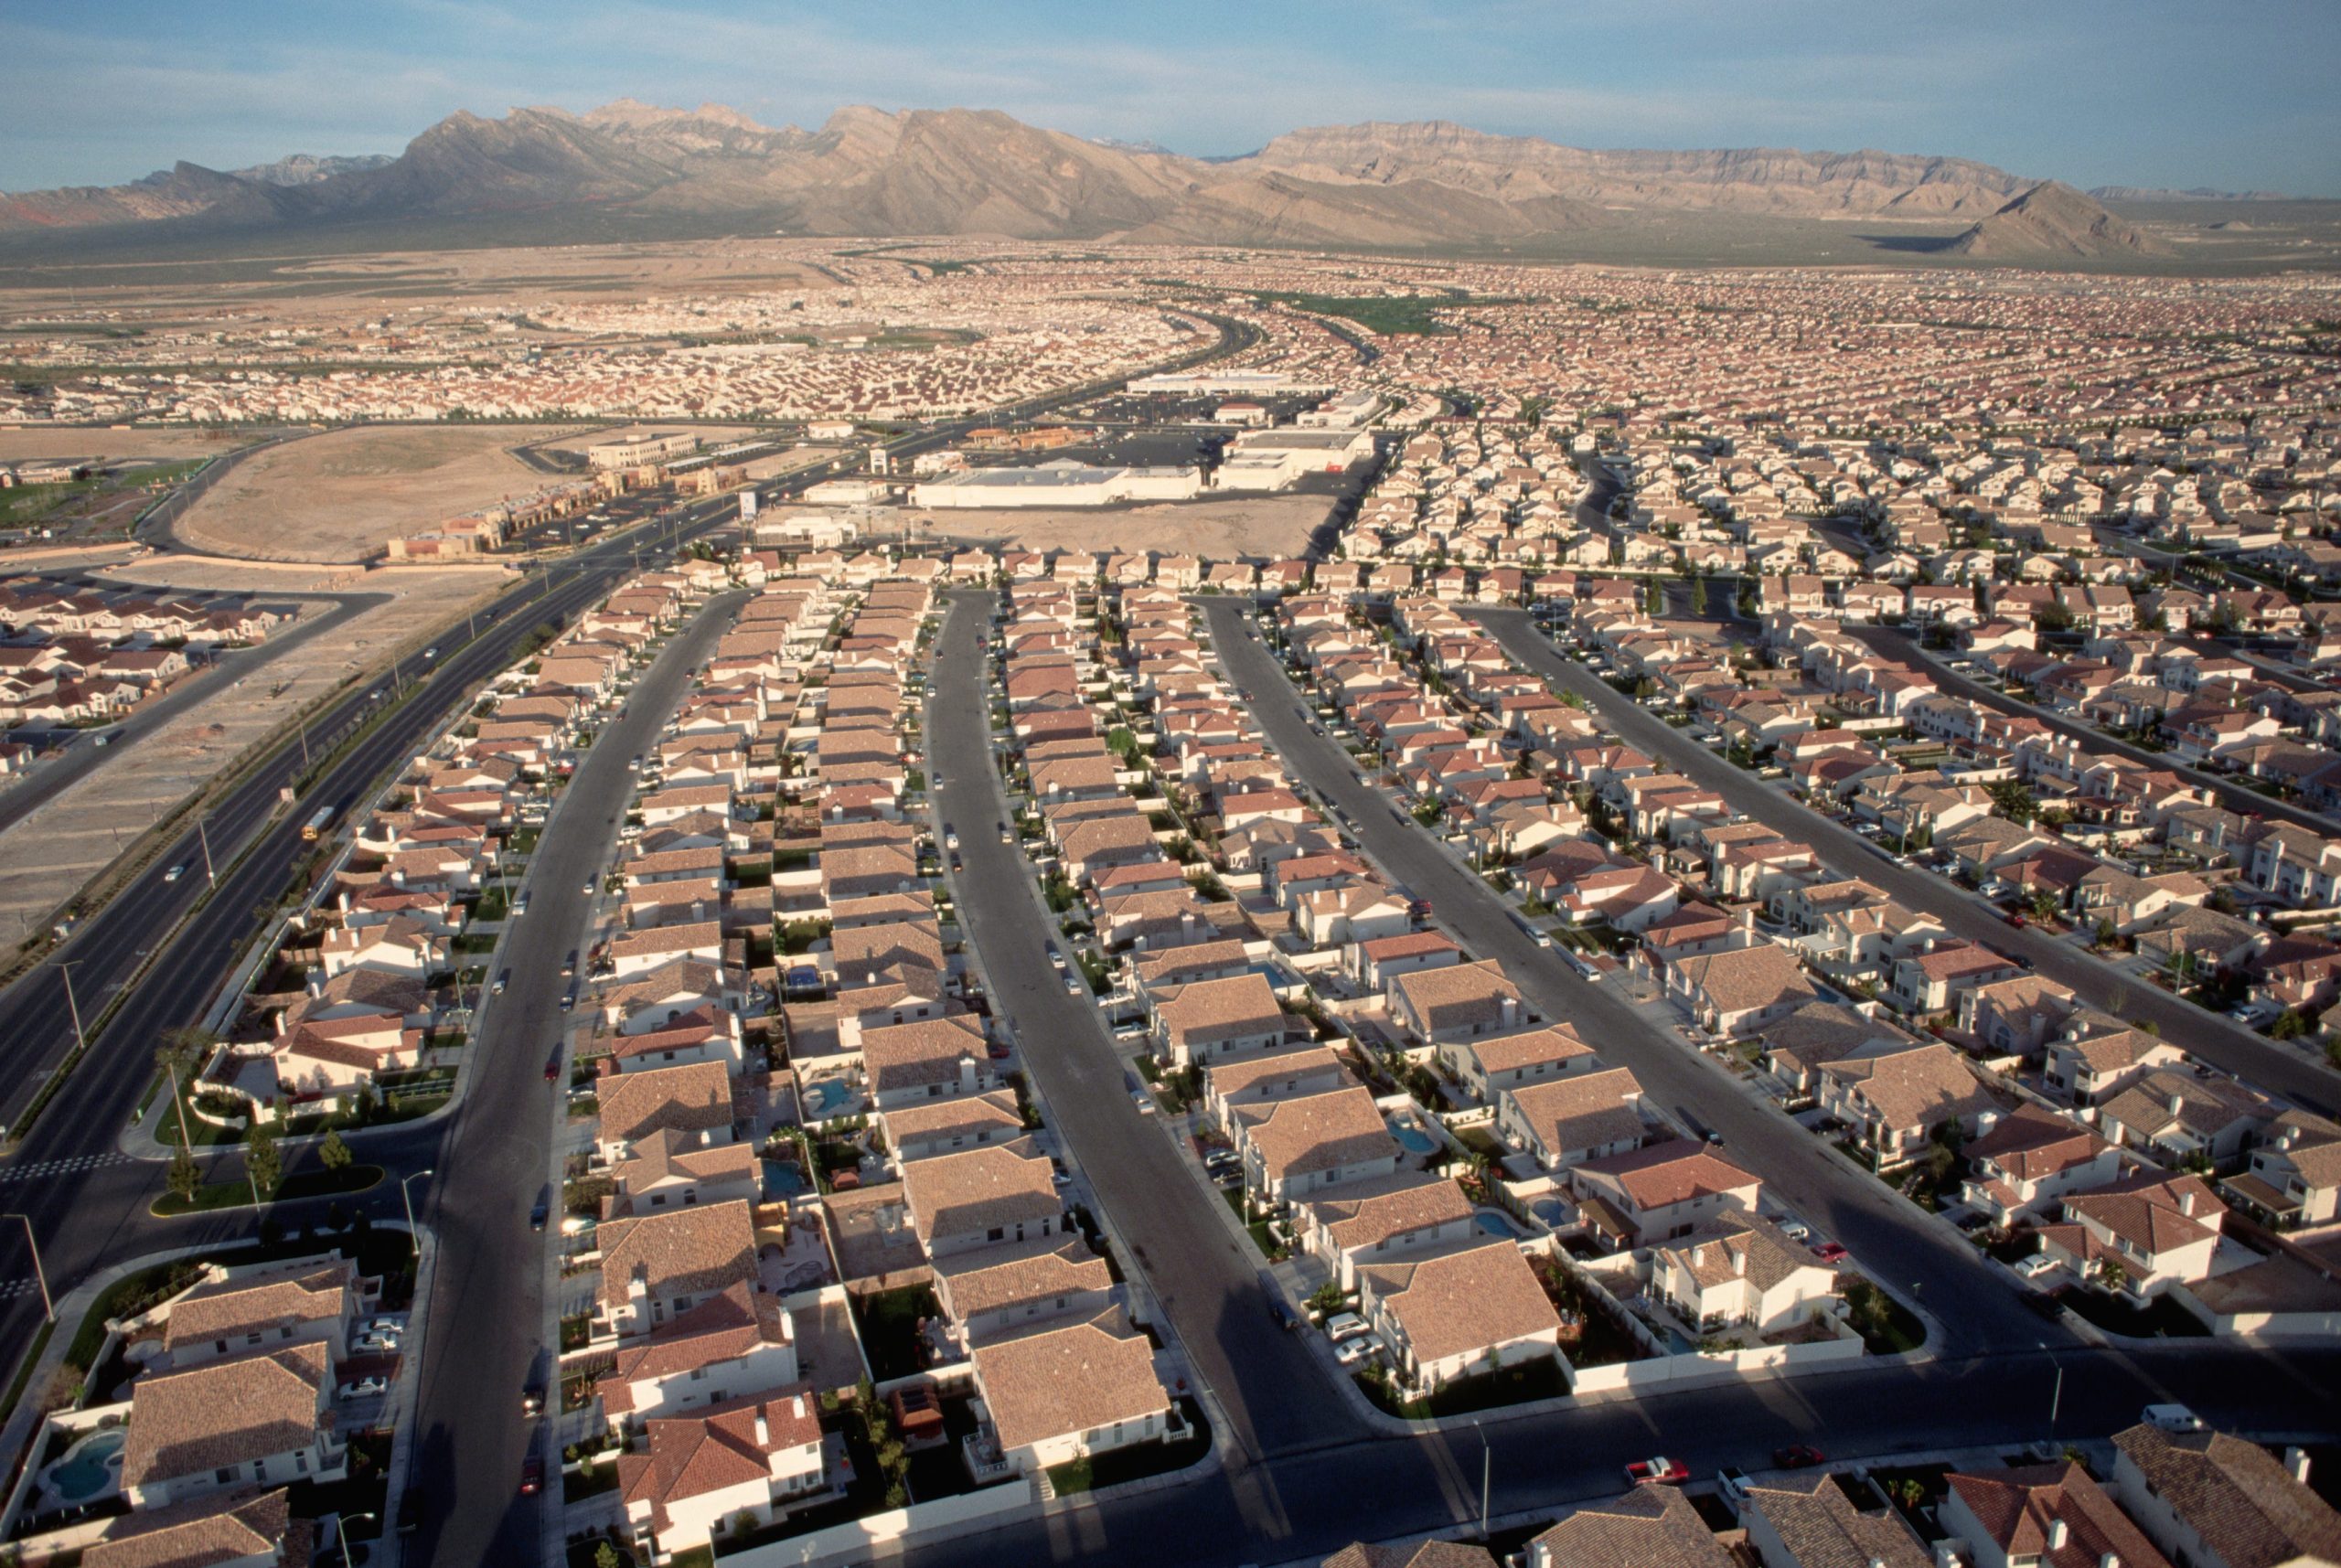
point(39, 1274)
point(407, 1196)
point(341, 1533)
point(203, 833)
point(81, 1040)
point(1486, 1466)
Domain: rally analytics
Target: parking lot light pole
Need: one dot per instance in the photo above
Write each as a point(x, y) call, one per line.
point(407, 1196)
point(40, 1274)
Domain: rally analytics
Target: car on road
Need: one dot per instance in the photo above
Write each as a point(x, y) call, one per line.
point(1660, 1471)
point(2047, 1306)
point(1343, 1326)
point(1830, 1252)
point(957, 864)
point(2015, 918)
point(175, 873)
point(1280, 1314)
point(364, 1388)
point(587, 889)
point(521, 904)
point(1732, 1482)
point(432, 651)
point(503, 979)
point(1006, 837)
point(1143, 1101)
point(1798, 1456)
point(552, 1066)
point(533, 1474)
point(950, 837)
point(568, 1001)
point(1796, 1231)
point(1075, 986)
point(541, 1211)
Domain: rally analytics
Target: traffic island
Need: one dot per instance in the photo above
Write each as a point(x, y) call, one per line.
point(238, 1194)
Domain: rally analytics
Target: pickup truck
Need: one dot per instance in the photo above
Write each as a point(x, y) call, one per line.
point(1660, 1471)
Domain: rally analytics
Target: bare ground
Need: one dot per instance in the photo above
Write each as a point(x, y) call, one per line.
point(48, 856)
point(1254, 526)
point(341, 496)
point(19, 442)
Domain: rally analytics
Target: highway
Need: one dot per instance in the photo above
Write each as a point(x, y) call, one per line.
point(2218, 1041)
point(481, 1322)
point(1892, 1240)
point(1207, 1278)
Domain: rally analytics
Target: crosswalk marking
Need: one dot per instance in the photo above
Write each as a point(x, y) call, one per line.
point(67, 1167)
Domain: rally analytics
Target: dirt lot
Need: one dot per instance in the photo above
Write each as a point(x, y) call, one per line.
point(339, 497)
point(1254, 526)
point(50, 854)
point(17, 443)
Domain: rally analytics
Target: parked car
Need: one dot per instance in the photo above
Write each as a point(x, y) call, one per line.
point(521, 904)
point(1075, 986)
point(380, 1343)
point(1798, 1456)
point(542, 1210)
point(533, 1396)
point(364, 1388)
point(1143, 1101)
point(569, 965)
point(2036, 1266)
point(2015, 918)
point(1350, 1352)
point(533, 1474)
point(1344, 1326)
point(1280, 1314)
point(568, 1000)
point(2170, 1418)
point(1796, 1231)
point(1830, 1252)
point(1660, 1471)
point(1732, 1482)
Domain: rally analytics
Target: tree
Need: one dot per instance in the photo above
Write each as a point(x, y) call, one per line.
point(606, 1556)
point(2043, 905)
point(1654, 597)
point(185, 1177)
point(264, 1160)
point(1123, 743)
point(1698, 596)
point(2014, 801)
point(334, 1152)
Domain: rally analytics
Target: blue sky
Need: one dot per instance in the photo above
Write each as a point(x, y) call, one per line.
point(2234, 95)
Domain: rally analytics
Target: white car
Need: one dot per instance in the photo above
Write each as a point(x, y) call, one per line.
point(1343, 1326)
point(175, 873)
point(1143, 1101)
point(1796, 1231)
point(1350, 1352)
point(380, 1342)
point(2170, 1418)
point(2036, 1266)
point(364, 1388)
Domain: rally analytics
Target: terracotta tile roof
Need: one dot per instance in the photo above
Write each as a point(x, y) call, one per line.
point(1058, 1378)
point(1361, 1214)
point(1014, 1272)
point(692, 1098)
point(2246, 1506)
point(1529, 1048)
point(721, 1446)
point(2018, 1508)
point(1210, 1010)
point(1819, 1527)
point(1316, 1132)
point(1453, 1303)
point(1585, 1109)
point(678, 1251)
point(1649, 1527)
point(736, 1320)
point(226, 1412)
point(1421, 1555)
point(980, 1190)
point(223, 1528)
point(234, 1308)
point(1669, 1173)
point(968, 1113)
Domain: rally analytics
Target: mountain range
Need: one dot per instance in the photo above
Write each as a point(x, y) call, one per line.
point(867, 172)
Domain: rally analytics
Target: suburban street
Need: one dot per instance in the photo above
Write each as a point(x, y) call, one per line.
point(481, 1322)
point(2216, 1039)
point(1974, 1301)
point(1895, 643)
point(1209, 1282)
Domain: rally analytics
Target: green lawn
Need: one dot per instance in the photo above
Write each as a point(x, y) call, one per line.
point(238, 1194)
point(1539, 1379)
point(1119, 1465)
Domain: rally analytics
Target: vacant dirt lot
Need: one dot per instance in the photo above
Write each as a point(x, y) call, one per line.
point(50, 854)
point(1253, 525)
point(97, 440)
point(339, 497)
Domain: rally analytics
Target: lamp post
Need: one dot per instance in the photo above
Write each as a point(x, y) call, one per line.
point(47, 1306)
point(203, 833)
point(406, 1195)
point(81, 1040)
point(1487, 1468)
point(341, 1533)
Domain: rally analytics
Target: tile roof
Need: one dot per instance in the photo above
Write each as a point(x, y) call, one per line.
point(722, 1446)
point(222, 1527)
point(226, 1412)
point(2238, 1497)
point(1316, 1132)
point(1649, 1527)
point(678, 1251)
point(1821, 1528)
point(978, 1190)
point(2018, 1508)
point(234, 1309)
point(1058, 1378)
point(1457, 1302)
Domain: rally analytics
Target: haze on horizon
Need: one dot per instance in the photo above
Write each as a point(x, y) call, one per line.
point(2095, 93)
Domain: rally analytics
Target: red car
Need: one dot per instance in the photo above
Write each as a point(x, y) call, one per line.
point(552, 1067)
point(1798, 1456)
point(2015, 918)
point(533, 1474)
point(1829, 1251)
point(1659, 1472)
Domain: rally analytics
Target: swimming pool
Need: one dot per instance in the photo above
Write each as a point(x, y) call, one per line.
point(826, 1097)
point(91, 1469)
point(1413, 1138)
point(1495, 1222)
point(1547, 1210)
point(783, 1178)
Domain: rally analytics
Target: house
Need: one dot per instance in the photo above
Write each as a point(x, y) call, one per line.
point(2041, 1516)
point(2138, 1235)
point(672, 1167)
point(2173, 1117)
point(1567, 1120)
point(2031, 1157)
point(2295, 1174)
point(1279, 1075)
point(656, 1266)
point(1899, 1097)
point(931, 1127)
point(694, 1100)
point(1932, 981)
point(256, 1420)
point(1364, 1221)
point(315, 1302)
point(1658, 1191)
point(739, 1340)
point(1293, 1148)
point(1208, 1020)
point(1056, 1392)
point(1432, 1553)
point(1486, 1067)
point(1738, 991)
point(1472, 1308)
point(1649, 1527)
point(2092, 1059)
point(2209, 1500)
point(749, 1459)
point(981, 1197)
point(995, 1289)
point(1737, 1267)
point(1457, 1002)
point(1804, 1520)
point(236, 1530)
point(926, 1058)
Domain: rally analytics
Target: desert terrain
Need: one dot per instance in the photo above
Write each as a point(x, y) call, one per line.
point(54, 850)
point(18, 443)
point(339, 497)
point(1254, 526)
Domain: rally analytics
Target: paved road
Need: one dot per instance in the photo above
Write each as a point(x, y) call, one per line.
point(1900, 644)
point(483, 1322)
point(1976, 1303)
point(1378, 1488)
point(1276, 1393)
point(2216, 1039)
point(83, 756)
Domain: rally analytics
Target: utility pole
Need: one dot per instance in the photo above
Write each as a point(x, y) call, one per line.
point(39, 1273)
